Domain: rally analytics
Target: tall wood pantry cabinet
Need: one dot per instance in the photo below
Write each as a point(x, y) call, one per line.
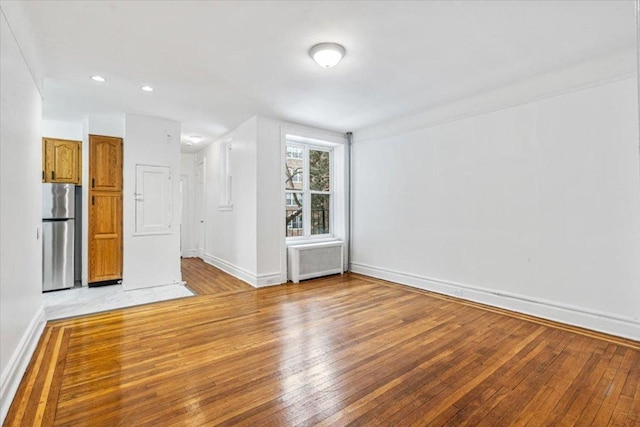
point(105, 209)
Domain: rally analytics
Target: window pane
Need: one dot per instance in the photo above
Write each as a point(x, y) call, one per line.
point(320, 213)
point(294, 152)
point(319, 170)
point(293, 215)
point(294, 168)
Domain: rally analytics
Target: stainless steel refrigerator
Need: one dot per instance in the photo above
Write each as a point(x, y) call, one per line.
point(58, 226)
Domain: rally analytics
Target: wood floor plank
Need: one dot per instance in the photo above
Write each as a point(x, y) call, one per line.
point(340, 350)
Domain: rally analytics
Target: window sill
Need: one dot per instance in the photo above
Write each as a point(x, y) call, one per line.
point(311, 240)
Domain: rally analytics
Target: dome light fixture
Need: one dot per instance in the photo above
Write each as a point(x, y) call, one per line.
point(327, 55)
point(147, 88)
point(98, 79)
point(195, 139)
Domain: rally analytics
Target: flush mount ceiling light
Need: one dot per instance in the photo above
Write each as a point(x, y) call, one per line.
point(147, 88)
point(195, 139)
point(327, 55)
point(98, 79)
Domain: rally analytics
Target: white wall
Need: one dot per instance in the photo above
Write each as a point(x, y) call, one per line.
point(271, 250)
point(150, 260)
point(230, 241)
point(62, 130)
point(21, 315)
point(534, 207)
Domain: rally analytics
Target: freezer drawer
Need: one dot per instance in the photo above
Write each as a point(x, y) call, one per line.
point(57, 254)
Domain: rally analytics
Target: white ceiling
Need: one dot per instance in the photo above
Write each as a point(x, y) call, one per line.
point(215, 64)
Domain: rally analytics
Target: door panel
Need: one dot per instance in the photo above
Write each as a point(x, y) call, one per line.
point(105, 160)
point(65, 161)
point(105, 236)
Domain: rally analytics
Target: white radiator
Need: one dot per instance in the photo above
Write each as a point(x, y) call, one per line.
point(314, 260)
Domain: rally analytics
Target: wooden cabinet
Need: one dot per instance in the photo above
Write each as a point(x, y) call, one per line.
point(105, 236)
point(61, 161)
point(105, 208)
point(105, 163)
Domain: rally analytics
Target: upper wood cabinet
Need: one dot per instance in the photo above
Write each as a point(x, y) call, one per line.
point(61, 161)
point(105, 163)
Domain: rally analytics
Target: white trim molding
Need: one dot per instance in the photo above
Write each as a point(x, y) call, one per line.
point(269, 279)
point(621, 326)
point(19, 361)
point(190, 253)
point(257, 281)
point(592, 73)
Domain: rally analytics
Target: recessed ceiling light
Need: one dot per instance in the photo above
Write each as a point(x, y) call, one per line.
point(195, 139)
point(147, 88)
point(98, 79)
point(327, 55)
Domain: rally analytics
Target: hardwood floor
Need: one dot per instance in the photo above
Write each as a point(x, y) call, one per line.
point(203, 278)
point(342, 350)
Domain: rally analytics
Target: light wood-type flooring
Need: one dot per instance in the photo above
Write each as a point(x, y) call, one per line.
point(203, 278)
point(336, 351)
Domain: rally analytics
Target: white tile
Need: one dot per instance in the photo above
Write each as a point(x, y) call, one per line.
point(84, 300)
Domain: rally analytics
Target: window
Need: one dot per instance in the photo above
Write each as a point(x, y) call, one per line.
point(308, 190)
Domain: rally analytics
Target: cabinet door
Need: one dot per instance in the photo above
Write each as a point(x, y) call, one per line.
point(46, 174)
point(64, 156)
point(61, 161)
point(105, 236)
point(105, 163)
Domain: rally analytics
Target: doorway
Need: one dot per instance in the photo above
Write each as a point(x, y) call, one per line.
point(200, 226)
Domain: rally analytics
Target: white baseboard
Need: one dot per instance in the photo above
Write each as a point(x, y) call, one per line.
point(17, 366)
point(190, 253)
point(269, 279)
point(257, 281)
point(621, 326)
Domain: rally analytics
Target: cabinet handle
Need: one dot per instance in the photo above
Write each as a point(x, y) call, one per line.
point(93, 200)
point(43, 175)
point(53, 174)
point(93, 182)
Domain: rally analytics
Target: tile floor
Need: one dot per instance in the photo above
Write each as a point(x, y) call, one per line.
point(84, 300)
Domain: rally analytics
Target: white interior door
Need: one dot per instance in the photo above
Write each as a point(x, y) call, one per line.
point(200, 209)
